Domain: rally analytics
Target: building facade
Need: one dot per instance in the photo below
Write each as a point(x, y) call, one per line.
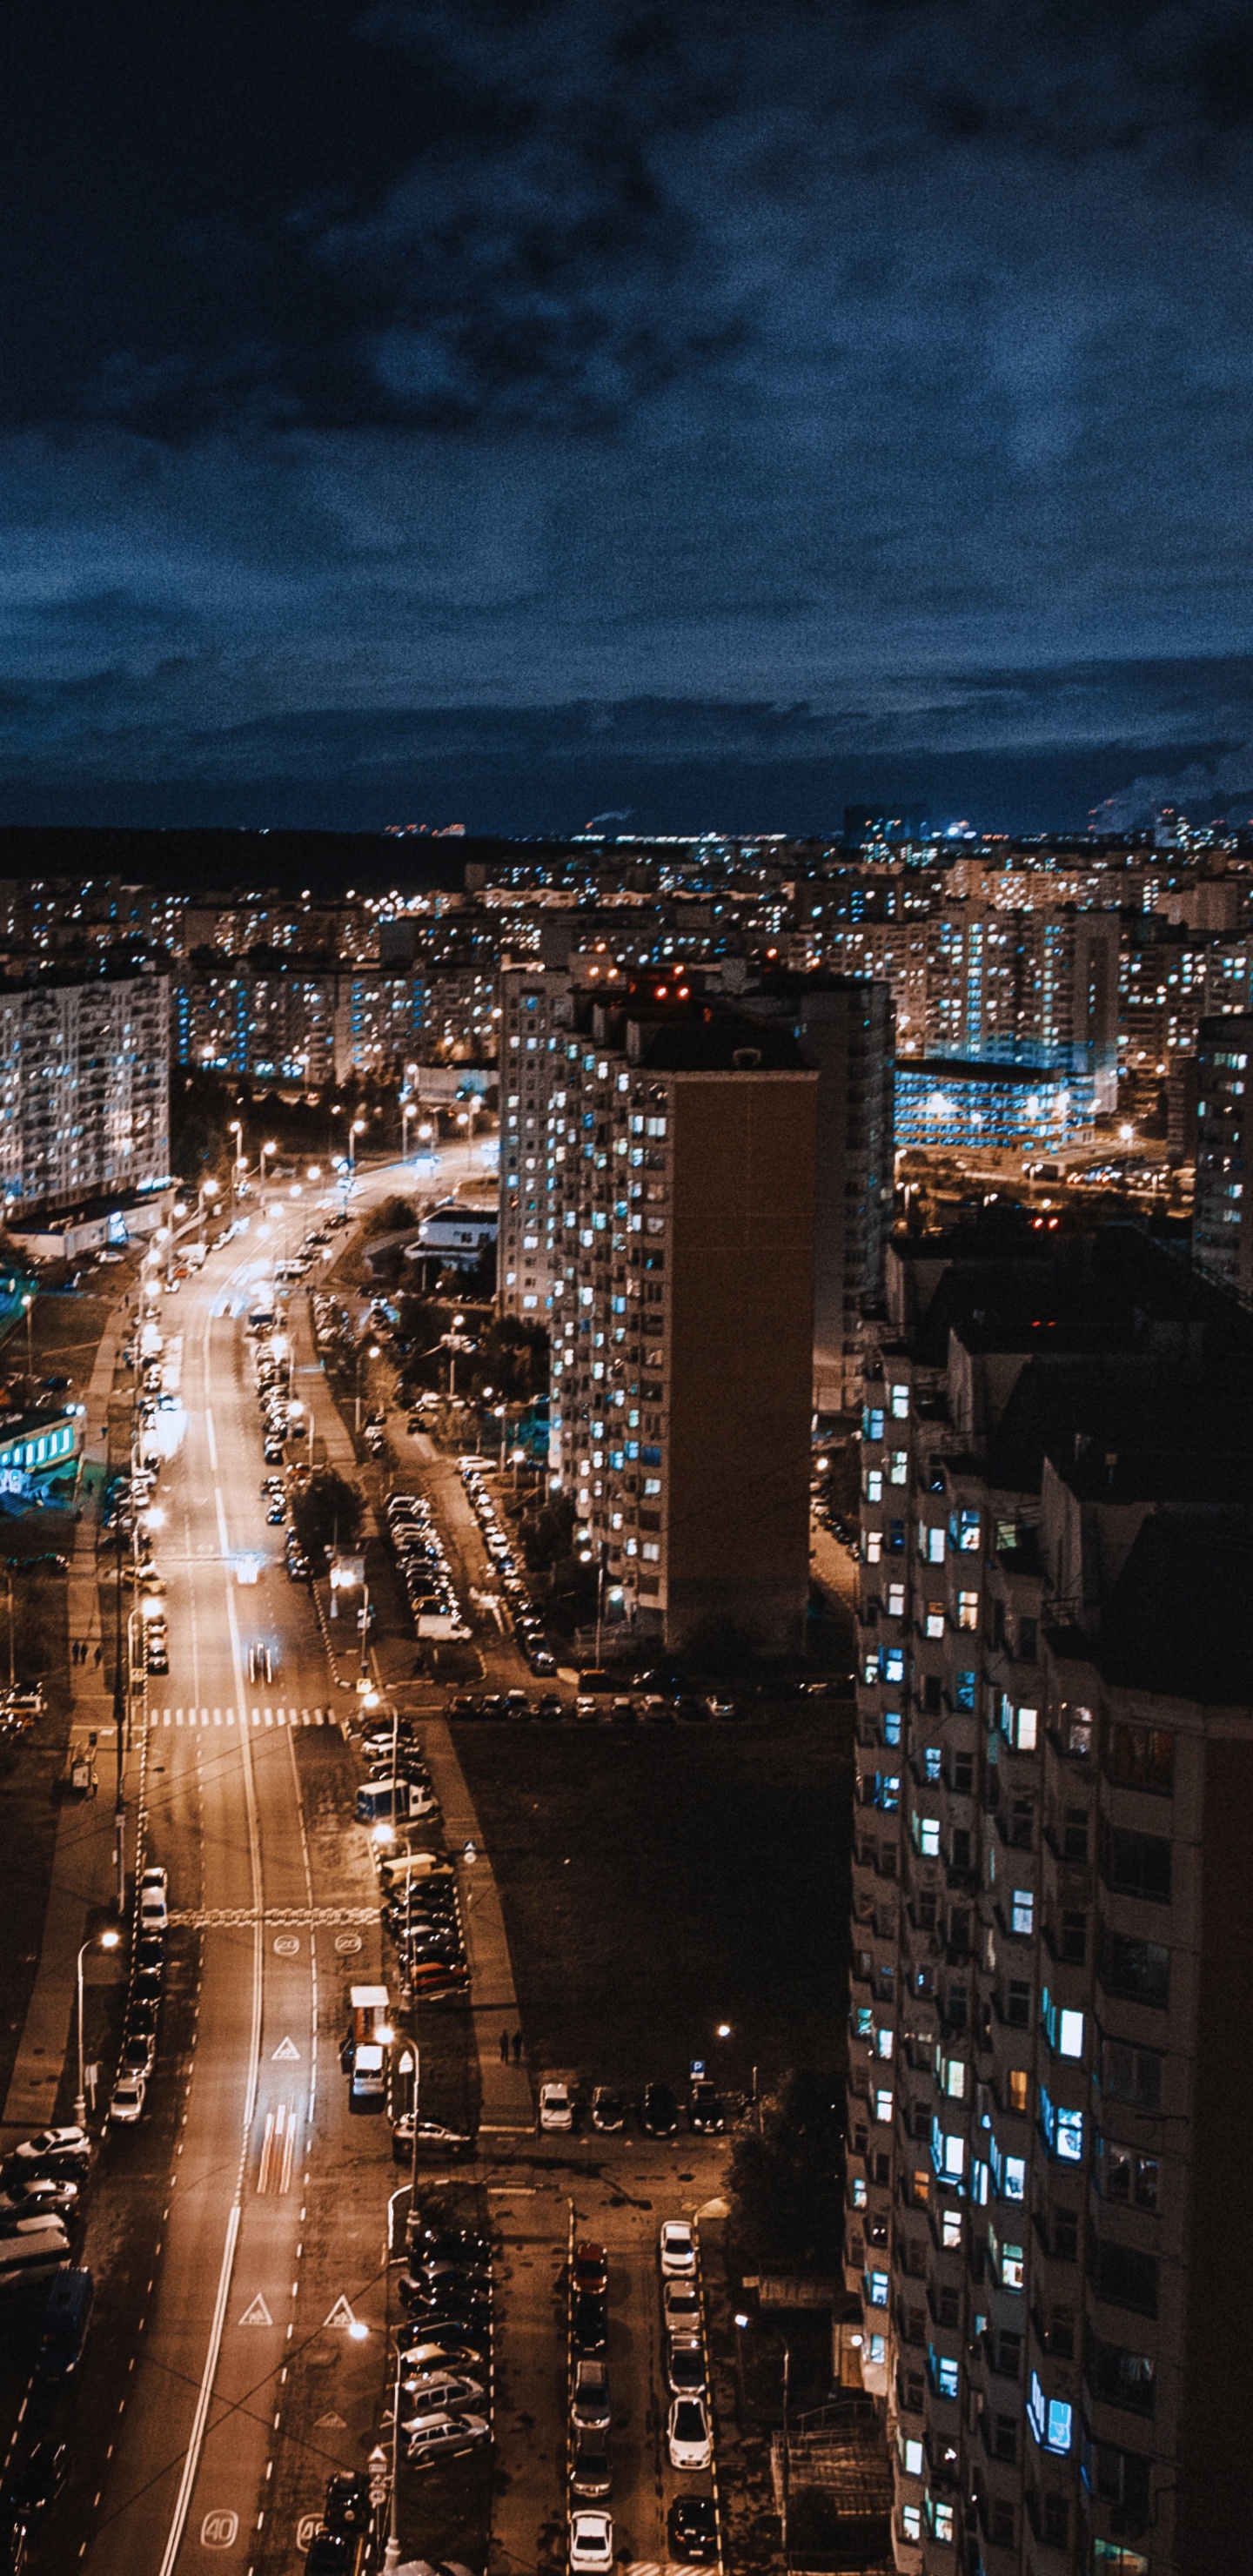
point(1051, 1937)
point(682, 1322)
point(84, 1088)
point(1222, 1208)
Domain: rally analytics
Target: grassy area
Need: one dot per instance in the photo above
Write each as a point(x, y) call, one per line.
point(657, 1882)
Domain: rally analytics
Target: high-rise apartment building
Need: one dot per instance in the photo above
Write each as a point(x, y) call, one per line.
point(536, 1007)
point(682, 1316)
point(84, 1087)
point(1222, 1208)
point(1052, 1935)
point(843, 1027)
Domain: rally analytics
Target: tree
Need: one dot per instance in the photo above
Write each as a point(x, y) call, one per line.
point(391, 1216)
point(326, 1512)
point(785, 2178)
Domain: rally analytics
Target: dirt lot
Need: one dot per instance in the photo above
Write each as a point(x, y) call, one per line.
point(657, 1882)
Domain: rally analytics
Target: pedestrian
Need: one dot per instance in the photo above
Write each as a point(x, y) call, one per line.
point(517, 2048)
point(504, 2048)
point(99, 1657)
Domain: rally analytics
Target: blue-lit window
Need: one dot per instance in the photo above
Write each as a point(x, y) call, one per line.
point(877, 2289)
point(891, 1658)
point(872, 1422)
point(1063, 2131)
point(862, 2021)
point(1051, 2419)
point(945, 2374)
point(891, 1726)
point(932, 1760)
point(964, 1690)
point(926, 1833)
point(900, 1404)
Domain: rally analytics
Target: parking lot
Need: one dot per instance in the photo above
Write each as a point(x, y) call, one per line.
point(615, 2191)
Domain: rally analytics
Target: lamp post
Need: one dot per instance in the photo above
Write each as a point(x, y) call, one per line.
point(27, 1303)
point(408, 1110)
point(108, 1941)
point(271, 1148)
point(356, 1129)
point(235, 1128)
point(367, 1351)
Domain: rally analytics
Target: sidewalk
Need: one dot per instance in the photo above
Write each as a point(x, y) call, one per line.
point(82, 1869)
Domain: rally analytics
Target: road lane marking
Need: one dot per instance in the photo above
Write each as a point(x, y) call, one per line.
point(213, 1446)
point(191, 2463)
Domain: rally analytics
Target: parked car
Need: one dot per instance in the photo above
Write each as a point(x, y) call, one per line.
point(676, 2249)
point(556, 2110)
point(589, 2397)
point(591, 2543)
point(439, 2392)
point(608, 2110)
point(659, 2112)
point(680, 2307)
point(154, 1907)
point(590, 2269)
point(685, 2367)
point(692, 2530)
point(688, 2437)
point(705, 2115)
point(590, 2471)
point(126, 2103)
point(589, 2322)
point(446, 2437)
point(52, 2149)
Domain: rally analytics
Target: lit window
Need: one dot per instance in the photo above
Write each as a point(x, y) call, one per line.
point(1022, 1911)
point(967, 1609)
point(932, 1760)
point(940, 2516)
point(911, 2522)
point(874, 1546)
point(859, 2192)
point(874, 1485)
point(878, 2289)
point(883, 2106)
point(911, 2459)
point(927, 1836)
point(898, 1469)
point(878, 2348)
point(935, 1547)
point(934, 1620)
point(883, 2043)
point(900, 1403)
point(1051, 2419)
point(896, 1600)
point(950, 2228)
point(1016, 2088)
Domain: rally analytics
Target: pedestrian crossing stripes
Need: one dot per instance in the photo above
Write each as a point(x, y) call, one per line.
point(254, 1717)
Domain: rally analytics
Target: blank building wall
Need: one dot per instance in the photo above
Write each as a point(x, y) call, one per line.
point(741, 1340)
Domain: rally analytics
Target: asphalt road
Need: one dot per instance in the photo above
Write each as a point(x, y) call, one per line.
point(200, 2403)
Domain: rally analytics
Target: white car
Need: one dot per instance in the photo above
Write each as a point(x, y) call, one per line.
point(154, 1906)
point(688, 2435)
point(68, 2146)
point(127, 2103)
point(591, 2541)
point(680, 2307)
point(677, 2250)
point(556, 2111)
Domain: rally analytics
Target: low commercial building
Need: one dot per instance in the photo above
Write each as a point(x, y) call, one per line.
point(952, 1101)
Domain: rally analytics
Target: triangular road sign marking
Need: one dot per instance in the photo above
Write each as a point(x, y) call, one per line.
point(257, 2314)
point(341, 2314)
point(330, 2424)
point(286, 2054)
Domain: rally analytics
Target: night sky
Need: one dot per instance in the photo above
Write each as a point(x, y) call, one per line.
point(505, 413)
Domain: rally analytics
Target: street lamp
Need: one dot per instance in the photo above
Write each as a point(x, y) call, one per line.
point(367, 1351)
point(271, 1148)
point(108, 1941)
point(357, 1129)
point(27, 1302)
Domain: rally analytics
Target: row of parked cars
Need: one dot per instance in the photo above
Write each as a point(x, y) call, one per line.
point(444, 2381)
point(562, 2104)
point(522, 1610)
point(419, 1902)
point(423, 1565)
point(692, 2523)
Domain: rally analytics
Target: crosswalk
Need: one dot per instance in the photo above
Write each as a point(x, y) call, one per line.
point(227, 1717)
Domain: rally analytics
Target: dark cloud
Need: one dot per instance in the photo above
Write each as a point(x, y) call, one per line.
point(365, 360)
